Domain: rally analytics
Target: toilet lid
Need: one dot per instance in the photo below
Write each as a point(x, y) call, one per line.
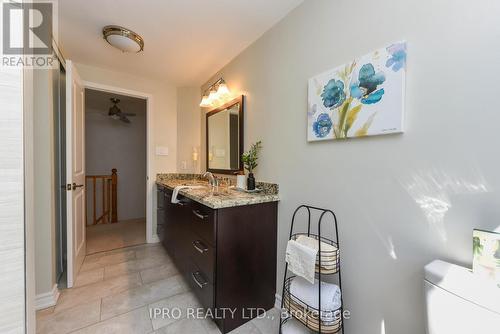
point(463, 283)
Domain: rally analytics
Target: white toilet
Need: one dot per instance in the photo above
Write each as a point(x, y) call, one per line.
point(458, 302)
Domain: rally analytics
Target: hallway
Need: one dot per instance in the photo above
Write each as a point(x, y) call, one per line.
point(106, 237)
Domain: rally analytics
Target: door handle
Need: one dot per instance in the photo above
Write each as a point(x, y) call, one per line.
point(199, 246)
point(199, 215)
point(197, 277)
point(77, 186)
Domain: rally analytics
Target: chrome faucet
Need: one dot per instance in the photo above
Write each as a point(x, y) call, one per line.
point(211, 179)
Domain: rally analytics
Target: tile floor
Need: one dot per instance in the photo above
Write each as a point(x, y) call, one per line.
point(115, 290)
point(105, 237)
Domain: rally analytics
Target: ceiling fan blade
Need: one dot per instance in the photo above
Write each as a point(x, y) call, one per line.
point(124, 118)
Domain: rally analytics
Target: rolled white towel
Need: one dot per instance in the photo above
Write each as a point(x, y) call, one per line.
point(293, 326)
point(331, 298)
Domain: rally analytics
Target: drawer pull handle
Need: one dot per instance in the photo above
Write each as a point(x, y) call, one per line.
point(200, 247)
point(199, 215)
point(198, 279)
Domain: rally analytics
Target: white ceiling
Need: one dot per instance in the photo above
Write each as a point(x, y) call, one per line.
point(186, 41)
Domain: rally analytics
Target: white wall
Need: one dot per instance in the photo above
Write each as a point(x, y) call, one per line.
point(401, 200)
point(163, 118)
point(188, 125)
point(112, 144)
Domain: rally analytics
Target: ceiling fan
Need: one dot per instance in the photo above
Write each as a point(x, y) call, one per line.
point(116, 113)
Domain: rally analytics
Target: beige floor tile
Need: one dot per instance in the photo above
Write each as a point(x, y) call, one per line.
point(89, 277)
point(159, 273)
point(177, 306)
point(75, 296)
point(152, 251)
point(91, 263)
point(248, 328)
point(270, 323)
point(111, 236)
point(146, 294)
point(45, 312)
point(69, 320)
point(211, 327)
point(134, 322)
point(191, 326)
point(135, 265)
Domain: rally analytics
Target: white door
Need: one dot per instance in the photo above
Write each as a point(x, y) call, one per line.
point(75, 169)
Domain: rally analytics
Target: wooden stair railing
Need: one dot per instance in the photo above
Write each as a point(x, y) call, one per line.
point(109, 185)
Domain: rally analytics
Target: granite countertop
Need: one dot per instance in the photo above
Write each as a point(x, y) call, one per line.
point(220, 197)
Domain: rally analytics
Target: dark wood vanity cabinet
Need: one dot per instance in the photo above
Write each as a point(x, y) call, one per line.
point(228, 255)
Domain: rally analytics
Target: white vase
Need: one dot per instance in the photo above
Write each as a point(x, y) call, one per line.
point(241, 181)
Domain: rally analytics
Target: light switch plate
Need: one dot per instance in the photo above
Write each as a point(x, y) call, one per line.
point(161, 150)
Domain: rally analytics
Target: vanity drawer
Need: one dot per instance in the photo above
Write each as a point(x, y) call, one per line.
point(200, 285)
point(203, 256)
point(203, 222)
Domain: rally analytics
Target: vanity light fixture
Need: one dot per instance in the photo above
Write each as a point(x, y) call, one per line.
point(215, 94)
point(123, 39)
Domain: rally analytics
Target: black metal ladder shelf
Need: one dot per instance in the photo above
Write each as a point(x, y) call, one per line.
point(327, 264)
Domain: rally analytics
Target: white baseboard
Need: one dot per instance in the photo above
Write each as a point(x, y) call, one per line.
point(47, 299)
point(277, 303)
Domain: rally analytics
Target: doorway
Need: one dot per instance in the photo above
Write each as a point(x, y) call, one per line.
point(116, 170)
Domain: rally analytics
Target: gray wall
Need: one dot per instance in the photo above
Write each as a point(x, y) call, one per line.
point(45, 244)
point(114, 144)
point(402, 200)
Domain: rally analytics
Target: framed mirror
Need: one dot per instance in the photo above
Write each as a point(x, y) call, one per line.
point(225, 138)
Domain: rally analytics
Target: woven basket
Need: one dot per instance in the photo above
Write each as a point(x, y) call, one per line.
point(330, 260)
point(308, 315)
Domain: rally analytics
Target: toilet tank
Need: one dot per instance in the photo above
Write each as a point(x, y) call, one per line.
point(459, 302)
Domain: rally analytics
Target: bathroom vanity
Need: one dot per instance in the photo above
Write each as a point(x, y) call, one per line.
point(223, 241)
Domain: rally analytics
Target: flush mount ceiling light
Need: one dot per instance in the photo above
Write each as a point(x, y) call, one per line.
point(123, 39)
point(216, 94)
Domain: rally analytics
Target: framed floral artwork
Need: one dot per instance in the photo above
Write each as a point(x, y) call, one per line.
point(486, 251)
point(364, 97)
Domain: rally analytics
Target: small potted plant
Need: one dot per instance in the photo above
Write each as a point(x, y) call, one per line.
point(250, 162)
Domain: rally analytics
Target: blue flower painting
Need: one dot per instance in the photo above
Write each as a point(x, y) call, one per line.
point(362, 98)
point(333, 94)
point(322, 126)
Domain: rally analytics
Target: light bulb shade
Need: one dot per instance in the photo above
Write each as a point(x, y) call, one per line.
point(205, 102)
point(212, 96)
point(223, 90)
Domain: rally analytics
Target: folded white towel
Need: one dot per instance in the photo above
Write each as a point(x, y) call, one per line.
point(293, 326)
point(175, 193)
point(308, 293)
point(328, 252)
point(301, 260)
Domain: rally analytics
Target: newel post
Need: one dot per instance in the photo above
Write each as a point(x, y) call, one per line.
point(114, 202)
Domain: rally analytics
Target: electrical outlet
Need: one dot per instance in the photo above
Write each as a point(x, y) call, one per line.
point(184, 165)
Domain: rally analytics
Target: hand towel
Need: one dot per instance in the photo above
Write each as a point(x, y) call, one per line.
point(175, 193)
point(308, 293)
point(301, 260)
point(328, 260)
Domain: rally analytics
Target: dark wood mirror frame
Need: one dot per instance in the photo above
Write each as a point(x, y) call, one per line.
point(241, 101)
